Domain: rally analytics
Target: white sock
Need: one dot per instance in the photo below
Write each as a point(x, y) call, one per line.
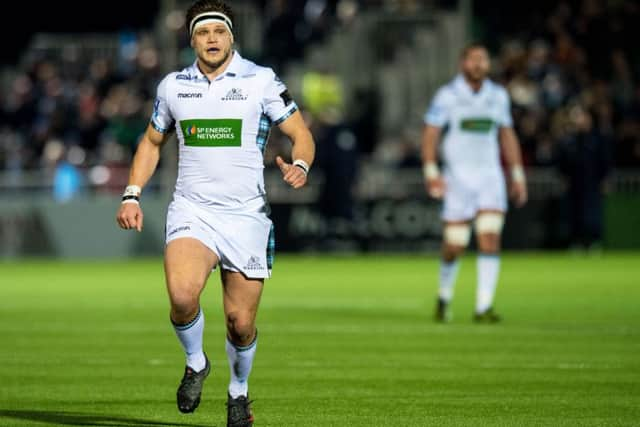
point(448, 276)
point(190, 336)
point(488, 271)
point(240, 363)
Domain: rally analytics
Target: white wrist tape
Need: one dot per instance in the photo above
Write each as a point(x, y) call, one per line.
point(457, 234)
point(431, 171)
point(517, 174)
point(130, 201)
point(489, 222)
point(132, 190)
point(302, 165)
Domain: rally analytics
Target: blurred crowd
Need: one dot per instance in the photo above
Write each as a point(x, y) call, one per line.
point(572, 75)
point(574, 72)
point(292, 26)
point(77, 117)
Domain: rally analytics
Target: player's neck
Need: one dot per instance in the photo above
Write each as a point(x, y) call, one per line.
point(210, 72)
point(475, 85)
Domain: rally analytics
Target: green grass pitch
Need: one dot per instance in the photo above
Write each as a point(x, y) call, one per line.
point(344, 341)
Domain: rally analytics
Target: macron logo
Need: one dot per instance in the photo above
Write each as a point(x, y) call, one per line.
point(189, 95)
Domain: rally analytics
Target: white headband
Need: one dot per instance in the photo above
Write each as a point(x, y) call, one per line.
point(208, 18)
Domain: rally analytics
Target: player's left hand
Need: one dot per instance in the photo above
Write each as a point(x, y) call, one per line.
point(293, 175)
point(519, 193)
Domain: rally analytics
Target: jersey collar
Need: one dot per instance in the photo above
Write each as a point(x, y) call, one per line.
point(232, 71)
point(461, 84)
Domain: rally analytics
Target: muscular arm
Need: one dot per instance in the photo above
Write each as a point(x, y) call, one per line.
point(303, 149)
point(144, 164)
point(430, 137)
point(510, 147)
point(511, 150)
point(146, 158)
point(433, 181)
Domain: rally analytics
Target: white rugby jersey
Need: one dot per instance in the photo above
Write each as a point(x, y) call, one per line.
point(470, 122)
point(222, 128)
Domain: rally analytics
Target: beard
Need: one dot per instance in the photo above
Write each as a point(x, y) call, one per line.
point(215, 65)
point(475, 76)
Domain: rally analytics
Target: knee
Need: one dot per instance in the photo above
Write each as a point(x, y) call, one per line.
point(489, 244)
point(184, 301)
point(451, 252)
point(240, 327)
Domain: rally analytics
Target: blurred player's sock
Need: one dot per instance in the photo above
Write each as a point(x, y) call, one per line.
point(240, 363)
point(190, 336)
point(488, 271)
point(448, 276)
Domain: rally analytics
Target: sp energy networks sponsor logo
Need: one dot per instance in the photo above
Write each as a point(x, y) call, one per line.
point(212, 132)
point(477, 124)
point(189, 95)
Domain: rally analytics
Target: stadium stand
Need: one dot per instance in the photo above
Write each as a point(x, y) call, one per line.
point(73, 108)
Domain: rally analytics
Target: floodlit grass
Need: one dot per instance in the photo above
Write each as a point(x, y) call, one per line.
point(344, 341)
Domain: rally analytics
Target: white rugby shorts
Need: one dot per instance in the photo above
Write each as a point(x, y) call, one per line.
point(463, 200)
point(243, 241)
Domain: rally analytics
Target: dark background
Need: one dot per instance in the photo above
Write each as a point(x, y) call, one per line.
point(70, 17)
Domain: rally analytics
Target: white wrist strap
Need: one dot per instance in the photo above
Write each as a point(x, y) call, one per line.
point(517, 174)
point(132, 190)
point(131, 194)
point(302, 165)
point(431, 171)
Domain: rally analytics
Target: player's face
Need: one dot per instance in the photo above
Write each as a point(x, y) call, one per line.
point(212, 44)
point(475, 65)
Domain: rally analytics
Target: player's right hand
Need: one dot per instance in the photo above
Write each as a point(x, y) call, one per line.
point(130, 216)
point(435, 187)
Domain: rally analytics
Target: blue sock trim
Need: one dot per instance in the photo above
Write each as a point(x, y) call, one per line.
point(240, 348)
point(186, 326)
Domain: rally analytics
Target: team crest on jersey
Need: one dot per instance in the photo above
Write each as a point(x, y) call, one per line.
point(235, 94)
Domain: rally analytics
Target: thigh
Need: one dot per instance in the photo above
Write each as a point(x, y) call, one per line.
point(240, 294)
point(188, 263)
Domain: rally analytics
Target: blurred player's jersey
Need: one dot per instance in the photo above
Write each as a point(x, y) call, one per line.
point(470, 121)
point(222, 128)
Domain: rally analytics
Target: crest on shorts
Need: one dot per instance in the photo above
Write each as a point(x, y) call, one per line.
point(253, 264)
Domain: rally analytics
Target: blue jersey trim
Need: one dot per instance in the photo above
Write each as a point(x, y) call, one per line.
point(271, 248)
point(158, 128)
point(264, 128)
point(287, 115)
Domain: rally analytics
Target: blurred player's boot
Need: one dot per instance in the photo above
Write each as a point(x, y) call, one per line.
point(239, 412)
point(442, 314)
point(488, 316)
point(191, 387)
